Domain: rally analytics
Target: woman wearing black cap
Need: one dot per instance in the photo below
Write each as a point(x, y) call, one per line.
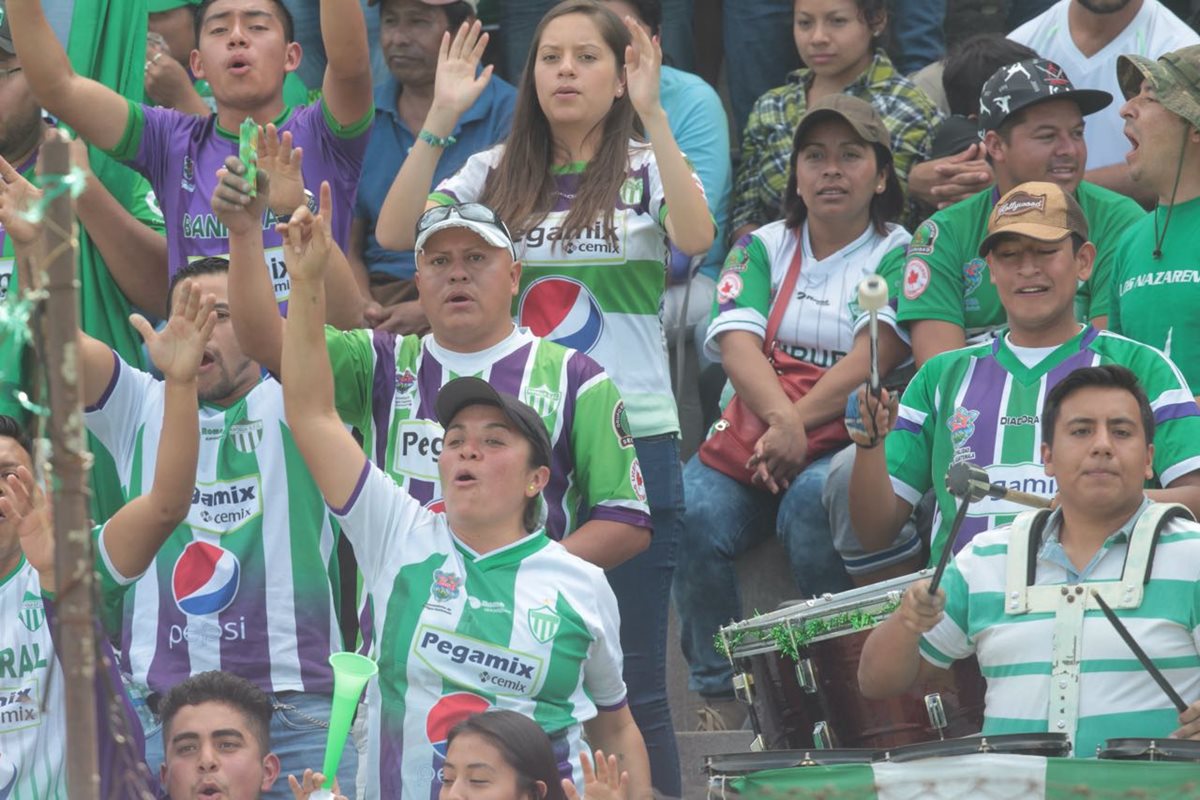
point(475, 608)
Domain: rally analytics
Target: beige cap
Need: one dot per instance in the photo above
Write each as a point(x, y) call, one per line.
point(1037, 209)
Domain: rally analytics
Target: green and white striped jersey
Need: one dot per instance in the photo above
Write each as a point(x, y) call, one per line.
point(1117, 697)
point(33, 732)
point(528, 627)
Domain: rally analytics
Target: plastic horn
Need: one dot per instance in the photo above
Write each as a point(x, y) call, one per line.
point(872, 296)
point(350, 674)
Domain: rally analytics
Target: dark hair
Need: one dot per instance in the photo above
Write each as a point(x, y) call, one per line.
point(970, 62)
point(523, 744)
point(1106, 376)
point(522, 188)
point(285, 16)
point(212, 265)
point(456, 13)
point(220, 687)
point(649, 12)
point(885, 207)
point(11, 428)
point(874, 13)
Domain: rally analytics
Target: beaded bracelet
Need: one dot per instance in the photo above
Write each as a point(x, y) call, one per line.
point(436, 141)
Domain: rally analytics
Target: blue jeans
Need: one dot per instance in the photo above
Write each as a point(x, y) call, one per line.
point(643, 589)
point(299, 728)
point(306, 14)
point(724, 519)
point(760, 51)
point(917, 33)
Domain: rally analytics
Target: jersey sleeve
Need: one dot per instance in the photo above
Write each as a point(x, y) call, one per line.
point(657, 198)
point(949, 641)
point(932, 282)
point(910, 444)
point(146, 144)
point(116, 416)
point(113, 586)
point(377, 511)
point(352, 359)
point(606, 465)
point(144, 205)
point(743, 299)
point(466, 185)
point(602, 669)
point(891, 269)
point(1176, 415)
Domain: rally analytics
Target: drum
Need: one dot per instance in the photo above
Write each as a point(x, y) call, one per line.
point(721, 768)
point(1050, 745)
point(797, 668)
point(1150, 750)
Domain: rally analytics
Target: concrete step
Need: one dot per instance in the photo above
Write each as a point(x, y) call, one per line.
point(695, 745)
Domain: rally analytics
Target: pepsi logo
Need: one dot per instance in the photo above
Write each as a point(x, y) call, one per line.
point(563, 311)
point(448, 712)
point(205, 579)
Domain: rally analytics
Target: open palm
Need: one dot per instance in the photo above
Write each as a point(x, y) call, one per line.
point(179, 347)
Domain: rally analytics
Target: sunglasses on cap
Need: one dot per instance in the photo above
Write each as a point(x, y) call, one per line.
point(474, 212)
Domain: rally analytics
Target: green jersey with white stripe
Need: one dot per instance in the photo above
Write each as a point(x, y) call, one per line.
point(528, 627)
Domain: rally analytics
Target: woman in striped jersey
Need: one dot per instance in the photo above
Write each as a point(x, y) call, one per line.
point(593, 184)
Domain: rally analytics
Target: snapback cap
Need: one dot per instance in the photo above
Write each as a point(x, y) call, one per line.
point(1026, 83)
point(854, 111)
point(1039, 210)
point(469, 391)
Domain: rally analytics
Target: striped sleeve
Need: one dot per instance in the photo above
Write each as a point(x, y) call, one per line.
point(602, 670)
point(351, 357)
point(910, 444)
point(743, 299)
point(949, 640)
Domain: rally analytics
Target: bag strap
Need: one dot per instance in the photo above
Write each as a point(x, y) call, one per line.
point(784, 293)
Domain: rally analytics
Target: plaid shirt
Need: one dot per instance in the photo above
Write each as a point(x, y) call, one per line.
point(762, 174)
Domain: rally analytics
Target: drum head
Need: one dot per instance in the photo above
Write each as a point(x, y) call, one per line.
point(1028, 744)
point(1151, 750)
point(746, 763)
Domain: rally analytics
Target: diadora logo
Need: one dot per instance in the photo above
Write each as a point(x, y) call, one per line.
point(20, 706)
point(205, 579)
point(473, 663)
point(225, 506)
point(563, 311)
point(418, 446)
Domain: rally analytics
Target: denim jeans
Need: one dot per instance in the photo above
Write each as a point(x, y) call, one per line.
point(299, 728)
point(724, 519)
point(643, 589)
point(306, 14)
point(917, 33)
point(760, 51)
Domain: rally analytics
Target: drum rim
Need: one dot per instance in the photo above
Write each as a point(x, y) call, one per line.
point(797, 756)
point(916, 751)
point(1134, 746)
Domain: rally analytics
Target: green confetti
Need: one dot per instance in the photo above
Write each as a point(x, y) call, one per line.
point(53, 187)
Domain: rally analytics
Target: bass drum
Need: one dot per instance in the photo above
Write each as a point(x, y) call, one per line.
point(815, 701)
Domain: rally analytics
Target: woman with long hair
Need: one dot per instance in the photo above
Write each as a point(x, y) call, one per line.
point(841, 202)
point(592, 204)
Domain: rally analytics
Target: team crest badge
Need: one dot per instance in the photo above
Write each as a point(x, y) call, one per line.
point(620, 424)
point(972, 275)
point(962, 425)
point(406, 381)
point(632, 191)
point(544, 623)
point(33, 613)
point(543, 400)
point(922, 241)
point(445, 586)
point(246, 435)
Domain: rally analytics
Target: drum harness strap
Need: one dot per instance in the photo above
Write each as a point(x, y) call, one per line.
point(1069, 602)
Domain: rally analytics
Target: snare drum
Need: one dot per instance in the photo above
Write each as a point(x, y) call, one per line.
point(814, 700)
point(1050, 745)
point(1150, 750)
point(722, 768)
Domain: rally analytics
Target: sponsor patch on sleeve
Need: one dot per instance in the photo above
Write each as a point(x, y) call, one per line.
point(923, 239)
point(637, 481)
point(729, 288)
point(620, 424)
point(916, 278)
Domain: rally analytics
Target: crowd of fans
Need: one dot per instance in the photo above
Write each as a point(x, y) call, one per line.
point(547, 197)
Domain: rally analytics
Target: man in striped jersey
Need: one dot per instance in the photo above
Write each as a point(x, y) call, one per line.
point(1020, 597)
point(248, 583)
point(981, 404)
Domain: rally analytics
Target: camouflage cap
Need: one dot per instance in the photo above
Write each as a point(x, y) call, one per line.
point(1175, 78)
point(1037, 209)
point(1034, 80)
point(856, 112)
point(6, 43)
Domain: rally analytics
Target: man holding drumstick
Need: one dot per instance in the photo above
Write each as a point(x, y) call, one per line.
point(1011, 595)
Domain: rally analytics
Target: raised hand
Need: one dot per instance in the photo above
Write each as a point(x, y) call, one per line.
point(23, 503)
point(231, 200)
point(919, 610)
point(16, 196)
point(312, 781)
point(456, 87)
point(643, 64)
point(179, 348)
point(281, 162)
point(308, 239)
point(868, 419)
point(606, 783)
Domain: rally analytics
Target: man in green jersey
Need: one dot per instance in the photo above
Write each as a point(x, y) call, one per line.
point(1032, 119)
point(981, 404)
point(1012, 586)
point(1156, 268)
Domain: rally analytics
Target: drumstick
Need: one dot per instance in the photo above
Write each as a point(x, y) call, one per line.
point(1157, 675)
point(948, 547)
point(965, 479)
point(872, 296)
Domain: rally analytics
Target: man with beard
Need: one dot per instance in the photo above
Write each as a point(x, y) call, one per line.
point(410, 34)
point(1031, 117)
point(1084, 37)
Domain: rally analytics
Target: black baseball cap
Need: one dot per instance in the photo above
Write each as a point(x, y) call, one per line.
point(1025, 83)
point(462, 392)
